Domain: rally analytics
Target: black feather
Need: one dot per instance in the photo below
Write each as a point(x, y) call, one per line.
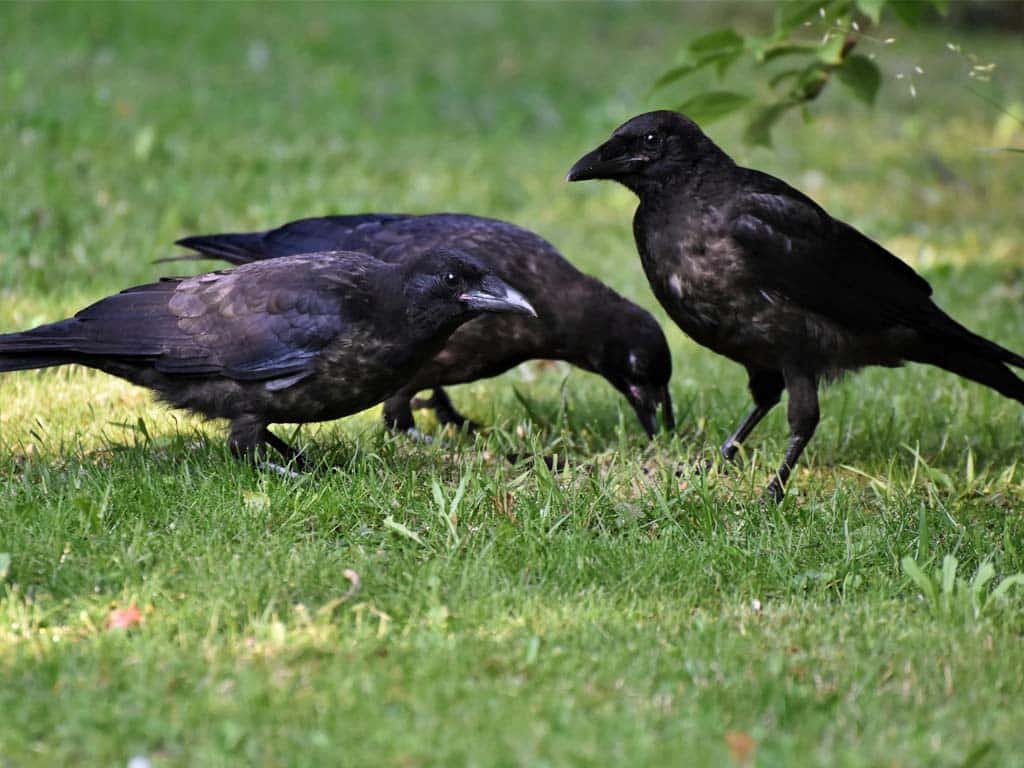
point(296, 339)
point(580, 320)
point(760, 273)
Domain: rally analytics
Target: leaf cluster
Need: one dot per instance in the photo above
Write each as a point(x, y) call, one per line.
point(950, 596)
point(795, 60)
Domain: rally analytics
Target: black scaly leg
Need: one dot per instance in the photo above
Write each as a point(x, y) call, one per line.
point(444, 409)
point(398, 413)
point(802, 389)
point(249, 439)
point(766, 389)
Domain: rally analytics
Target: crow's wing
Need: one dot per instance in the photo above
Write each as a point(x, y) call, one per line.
point(260, 322)
point(799, 251)
point(323, 233)
point(390, 237)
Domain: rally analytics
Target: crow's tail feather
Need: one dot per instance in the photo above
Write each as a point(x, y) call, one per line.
point(984, 365)
point(944, 334)
point(237, 248)
point(992, 351)
point(30, 361)
point(42, 347)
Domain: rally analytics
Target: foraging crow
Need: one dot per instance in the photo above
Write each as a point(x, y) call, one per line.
point(756, 271)
point(581, 320)
point(294, 339)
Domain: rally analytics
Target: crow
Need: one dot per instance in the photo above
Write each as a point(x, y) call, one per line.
point(756, 271)
point(581, 320)
point(294, 339)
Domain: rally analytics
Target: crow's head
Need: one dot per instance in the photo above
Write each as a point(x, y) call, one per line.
point(646, 150)
point(445, 286)
point(633, 355)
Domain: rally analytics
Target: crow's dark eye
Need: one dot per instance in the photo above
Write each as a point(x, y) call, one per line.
point(451, 279)
point(651, 140)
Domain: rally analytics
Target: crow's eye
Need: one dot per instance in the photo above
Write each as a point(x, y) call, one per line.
point(651, 140)
point(451, 279)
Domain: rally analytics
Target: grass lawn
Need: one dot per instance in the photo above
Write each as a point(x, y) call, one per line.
point(614, 614)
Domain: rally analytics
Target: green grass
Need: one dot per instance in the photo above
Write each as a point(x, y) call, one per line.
point(614, 614)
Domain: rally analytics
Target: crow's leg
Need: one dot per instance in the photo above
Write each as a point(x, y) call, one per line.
point(398, 414)
point(803, 415)
point(444, 409)
point(766, 389)
point(249, 439)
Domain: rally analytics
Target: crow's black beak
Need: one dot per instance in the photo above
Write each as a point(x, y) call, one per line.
point(645, 402)
point(585, 167)
point(495, 295)
point(608, 161)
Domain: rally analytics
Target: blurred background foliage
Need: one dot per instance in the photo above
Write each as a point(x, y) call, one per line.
point(130, 125)
point(812, 43)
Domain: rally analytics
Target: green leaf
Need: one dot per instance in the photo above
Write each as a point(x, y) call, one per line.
point(718, 40)
point(713, 105)
point(913, 12)
point(986, 572)
point(871, 8)
point(676, 73)
point(1004, 586)
point(810, 82)
point(5, 564)
point(949, 565)
point(401, 530)
point(438, 496)
point(720, 48)
point(759, 130)
point(978, 755)
point(862, 76)
point(789, 16)
point(831, 51)
point(781, 77)
point(921, 579)
point(778, 50)
point(724, 60)
point(721, 60)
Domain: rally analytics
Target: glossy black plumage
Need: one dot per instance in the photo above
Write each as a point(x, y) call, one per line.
point(580, 319)
point(294, 339)
point(758, 272)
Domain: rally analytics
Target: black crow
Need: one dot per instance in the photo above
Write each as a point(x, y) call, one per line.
point(581, 320)
point(756, 271)
point(294, 339)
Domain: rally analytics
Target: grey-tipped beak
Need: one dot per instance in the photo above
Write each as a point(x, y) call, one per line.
point(586, 167)
point(495, 295)
point(611, 160)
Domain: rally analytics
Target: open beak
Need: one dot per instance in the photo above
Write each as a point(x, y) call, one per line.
point(495, 295)
point(606, 162)
point(646, 402)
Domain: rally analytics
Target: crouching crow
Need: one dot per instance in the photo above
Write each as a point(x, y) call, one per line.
point(580, 320)
point(756, 271)
point(294, 339)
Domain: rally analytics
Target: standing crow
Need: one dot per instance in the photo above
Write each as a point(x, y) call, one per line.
point(294, 339)
point(758, 272)
point(581, 320)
